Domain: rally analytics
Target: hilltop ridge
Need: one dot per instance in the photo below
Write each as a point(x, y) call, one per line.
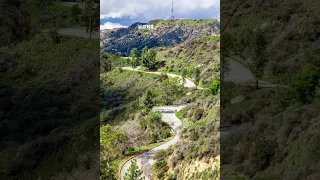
point(164, 33)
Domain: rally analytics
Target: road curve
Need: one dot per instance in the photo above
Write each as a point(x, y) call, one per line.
point(239, 73)
point(145, 160)
point(188, 83)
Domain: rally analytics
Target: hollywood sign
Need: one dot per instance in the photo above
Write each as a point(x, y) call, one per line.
point(146, 26)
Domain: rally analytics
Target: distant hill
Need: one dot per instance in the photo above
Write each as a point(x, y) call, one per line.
point(164, 33)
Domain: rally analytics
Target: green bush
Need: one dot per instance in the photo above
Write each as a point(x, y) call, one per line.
point(214, 87)
point(305, 83)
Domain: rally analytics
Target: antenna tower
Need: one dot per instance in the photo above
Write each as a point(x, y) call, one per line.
point(171, 15)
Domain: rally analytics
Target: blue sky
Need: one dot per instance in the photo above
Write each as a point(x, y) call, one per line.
point(123, 13)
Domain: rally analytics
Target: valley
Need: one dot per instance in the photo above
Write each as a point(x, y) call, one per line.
point(174, 90)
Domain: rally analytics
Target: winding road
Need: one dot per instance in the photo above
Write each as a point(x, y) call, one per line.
point(145, 160)
point(238, 74)
point(188, 83)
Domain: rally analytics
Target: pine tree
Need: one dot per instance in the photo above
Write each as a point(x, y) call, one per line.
point(134, 173)
point(224, 67)
point(75, 13)
point(106, 171)
point(146, 100)
point(144, 53)
point(258, 61)
point(134, 55)
point(148, 58)
point(197, 76)
point(89, 16)
point(184, 74)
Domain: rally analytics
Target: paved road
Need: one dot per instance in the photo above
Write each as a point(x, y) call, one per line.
point(241, 74)
point(238, 73)
point(188, 83)
point(145, 161)
point(79, 32)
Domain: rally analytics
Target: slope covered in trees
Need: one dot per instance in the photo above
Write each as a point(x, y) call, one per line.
point(165, 33)
point(277, 135)
point(128, 96)
point(196, 156)
point(203, 53)
point(31, 113)
point(48, 94)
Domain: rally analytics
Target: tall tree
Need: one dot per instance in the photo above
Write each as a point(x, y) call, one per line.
point(226, 48)
point(149, 58)
point(49, 20)
point(105, 64)
point(224, 67)
point(170, 89)
point(306, 82)
point(134, 173)
point(106, 171)
point(184, 74)
point(75, 13)
point(16, 19)
point(146, 100)
point(258, 61)
point(196, 76)
point(89, 16)
point(134, 55)
point(144, 52)
point(112, 144)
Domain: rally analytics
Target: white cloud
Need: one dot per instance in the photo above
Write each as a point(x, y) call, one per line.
point(110, 25)
point(153, 9)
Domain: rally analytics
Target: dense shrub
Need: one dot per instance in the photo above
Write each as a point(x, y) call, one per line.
point(305, 83)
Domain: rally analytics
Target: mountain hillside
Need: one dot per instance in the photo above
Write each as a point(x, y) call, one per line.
point(164, 33)
point(275, 136)
point(203, 53)
point(291, 29)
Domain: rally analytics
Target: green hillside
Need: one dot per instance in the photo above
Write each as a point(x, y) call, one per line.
point(291, 29)
point(38, 117)
point(277, 136)
point(201, 52)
